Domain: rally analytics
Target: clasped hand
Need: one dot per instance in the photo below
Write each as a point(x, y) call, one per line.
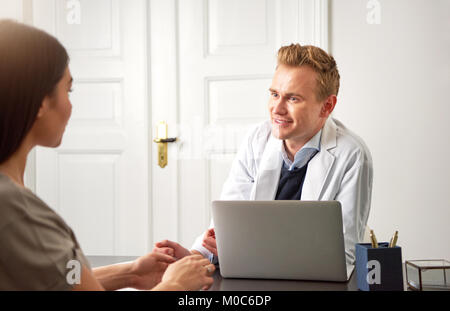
point(178, 251)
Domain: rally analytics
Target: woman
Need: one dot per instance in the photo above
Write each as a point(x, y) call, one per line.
point(37, 246)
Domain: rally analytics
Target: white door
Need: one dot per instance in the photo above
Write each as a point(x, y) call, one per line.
point(212, 62)
point(98, 178)
point(12, 10)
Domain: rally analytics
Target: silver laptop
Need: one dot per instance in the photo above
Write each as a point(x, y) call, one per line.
point(299, 240)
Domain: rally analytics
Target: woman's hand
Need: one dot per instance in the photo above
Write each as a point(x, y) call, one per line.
point(172, 249)
point(190, 273)
point(148, 270)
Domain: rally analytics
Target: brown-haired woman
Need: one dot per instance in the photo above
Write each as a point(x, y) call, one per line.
point(36, 244)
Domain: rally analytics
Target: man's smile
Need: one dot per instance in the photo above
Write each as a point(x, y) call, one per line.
point(282, 122)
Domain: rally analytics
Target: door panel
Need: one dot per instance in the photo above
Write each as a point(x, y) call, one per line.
point(98, 178)
point(11, 9)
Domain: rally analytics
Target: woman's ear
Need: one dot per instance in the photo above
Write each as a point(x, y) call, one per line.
point(44, 107)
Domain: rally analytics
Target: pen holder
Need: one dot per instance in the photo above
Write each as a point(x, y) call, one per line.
point(379, 269)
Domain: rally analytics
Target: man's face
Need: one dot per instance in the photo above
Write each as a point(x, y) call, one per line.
point(295, 113)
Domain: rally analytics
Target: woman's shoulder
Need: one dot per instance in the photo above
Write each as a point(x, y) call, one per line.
point(12, 201)
point(36, 242)
point(17, 203)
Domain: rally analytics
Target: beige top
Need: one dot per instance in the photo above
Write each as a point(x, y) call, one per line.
point(35, 243)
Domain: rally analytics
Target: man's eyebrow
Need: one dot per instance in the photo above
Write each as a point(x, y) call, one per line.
point(288, 94)
point(294, 94)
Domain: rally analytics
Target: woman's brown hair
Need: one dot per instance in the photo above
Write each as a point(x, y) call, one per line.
point(32, 63)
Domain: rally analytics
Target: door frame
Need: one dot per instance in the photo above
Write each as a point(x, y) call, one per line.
point(163, 70)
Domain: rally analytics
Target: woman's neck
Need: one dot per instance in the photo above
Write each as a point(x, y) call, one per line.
point(14, 167)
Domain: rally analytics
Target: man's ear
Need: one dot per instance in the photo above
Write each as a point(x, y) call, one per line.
point(44, 107)
point(328, 106)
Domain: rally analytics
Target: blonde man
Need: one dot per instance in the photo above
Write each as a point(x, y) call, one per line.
point(301, 153)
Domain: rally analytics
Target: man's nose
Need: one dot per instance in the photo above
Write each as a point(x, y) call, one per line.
point(279, 106)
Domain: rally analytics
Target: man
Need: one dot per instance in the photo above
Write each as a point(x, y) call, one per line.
point(301, 153)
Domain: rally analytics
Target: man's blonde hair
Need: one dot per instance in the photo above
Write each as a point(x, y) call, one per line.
point(319, 60)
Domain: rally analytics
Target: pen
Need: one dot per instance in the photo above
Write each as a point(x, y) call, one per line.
point(374, 239)
point(394, 238)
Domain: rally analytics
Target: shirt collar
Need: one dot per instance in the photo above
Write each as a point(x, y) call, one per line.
point(304, 154)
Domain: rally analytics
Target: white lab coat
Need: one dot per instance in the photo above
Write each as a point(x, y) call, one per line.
point(341, 171)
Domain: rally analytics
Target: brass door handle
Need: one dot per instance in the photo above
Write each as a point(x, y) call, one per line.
point(162, 140)
point(165, 140)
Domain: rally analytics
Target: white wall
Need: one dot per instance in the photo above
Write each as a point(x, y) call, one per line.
point(395, 80)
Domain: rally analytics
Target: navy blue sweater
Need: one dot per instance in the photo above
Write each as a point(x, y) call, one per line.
point(291, 183)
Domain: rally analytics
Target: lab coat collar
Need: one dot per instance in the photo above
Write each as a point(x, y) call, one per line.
point(329, 134)
point(318, 168)
point(269, 170)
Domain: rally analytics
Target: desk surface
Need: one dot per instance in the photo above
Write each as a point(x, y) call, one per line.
point(224, 284)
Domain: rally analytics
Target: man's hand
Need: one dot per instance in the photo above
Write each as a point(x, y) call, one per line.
point(149, 269)
point(209, 241)
point(172, 249)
